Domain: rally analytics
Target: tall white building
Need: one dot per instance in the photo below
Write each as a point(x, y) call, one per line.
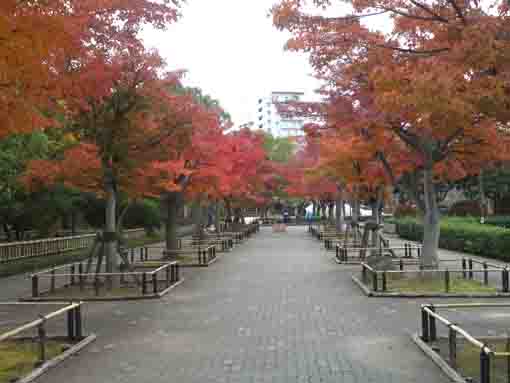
point(274, 115)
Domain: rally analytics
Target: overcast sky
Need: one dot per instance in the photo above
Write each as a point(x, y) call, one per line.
point(233, 52)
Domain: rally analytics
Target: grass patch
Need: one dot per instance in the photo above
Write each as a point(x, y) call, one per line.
point(468, 358)
point(31, 265)
point(435, 285)
point(19, 358)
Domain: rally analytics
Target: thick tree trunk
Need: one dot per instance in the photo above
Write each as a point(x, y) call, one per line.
point(314, 204)
point(431, 228)
point(110, 229)
point(228, 206)
point(217, 221)
point(340, 212)
point(172, 208)
point(197, 219)
point(331, 216)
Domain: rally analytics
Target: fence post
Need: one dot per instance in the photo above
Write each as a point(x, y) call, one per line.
point(155, 283)
point(72, 274)
point(470, 263)
point(70, 325)
point(405, 250)
point(144, 283)
point(35, 286)
point(418, 252)
point(96, 286)
point(401, 264)
point(167, 271)
point(374, 280)
point(364, 273)
point(464, 274)
point(77, 321)
point(52, 285)
point(80, 276)
point(384, 281)
point(504, 280)
point(485, 366)
point(447, 281)
point(432, 325)
point(424, 324)
point(485, 274)
point(41, 332)
point(452, 346)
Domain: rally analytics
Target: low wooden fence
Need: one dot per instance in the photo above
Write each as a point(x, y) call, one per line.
point(72, 279)
point(462, 351)
point(14, 251)
point(463, 269)
point(74, 326)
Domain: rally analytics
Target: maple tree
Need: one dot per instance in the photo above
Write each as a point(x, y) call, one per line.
point(49, 48)
point(428, 100)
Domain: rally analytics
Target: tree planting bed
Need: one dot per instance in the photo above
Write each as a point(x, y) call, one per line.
point(71, 282)
point(465, 278)
point(39, 338)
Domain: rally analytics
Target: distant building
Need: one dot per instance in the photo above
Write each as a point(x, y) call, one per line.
point(275, 114)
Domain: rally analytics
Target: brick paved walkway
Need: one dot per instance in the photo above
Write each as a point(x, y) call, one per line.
point(276, 309)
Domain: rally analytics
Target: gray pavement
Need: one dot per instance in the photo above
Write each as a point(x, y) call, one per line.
point(276, 309)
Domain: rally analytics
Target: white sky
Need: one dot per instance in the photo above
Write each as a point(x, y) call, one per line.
point(232, 51)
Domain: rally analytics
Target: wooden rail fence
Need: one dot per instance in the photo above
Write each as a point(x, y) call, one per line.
point(13, 251)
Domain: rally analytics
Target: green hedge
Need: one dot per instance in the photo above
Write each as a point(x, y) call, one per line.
point(501, 221)
point(463, 234)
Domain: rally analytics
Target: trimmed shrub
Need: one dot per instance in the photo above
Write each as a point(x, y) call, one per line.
point(501, 221)
point(463, 234)
point(465, 208)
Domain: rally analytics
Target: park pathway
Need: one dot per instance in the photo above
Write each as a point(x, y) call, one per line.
point(276, 309)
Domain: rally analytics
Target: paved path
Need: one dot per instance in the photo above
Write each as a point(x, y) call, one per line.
point(276, 309)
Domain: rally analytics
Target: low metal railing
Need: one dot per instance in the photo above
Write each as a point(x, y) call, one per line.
point(74, 326)
point(73, 279)
point(487, 274)
point(493, 366)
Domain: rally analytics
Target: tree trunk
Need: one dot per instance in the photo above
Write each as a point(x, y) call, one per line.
point(172, 208)
point(431, 228)
point(483, 199)
point(228, 206)
point(340, 212)
point(217, 221)
point(331, 216)
point(197, 219)
point(314, 204)
point(376, 215)
point(110, 223)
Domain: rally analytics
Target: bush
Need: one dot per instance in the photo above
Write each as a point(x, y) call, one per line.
point(145, 213)
point(465, 208)
point(463, 234)
point(501, 221)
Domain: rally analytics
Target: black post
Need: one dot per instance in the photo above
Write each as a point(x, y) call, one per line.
point(80, 276)
point(35, 286)
point(72, 274)
point(384, 281)
point(504, 280)
point(432, 325)
point(167, 271)
point(79, 329)
point(401, 265)
point(447, 281)
point(155, 283)
point(485, 274)
point(70, 325)
point(374, 280)
point(144, 283)
point(452, 345)
point(41, 332)
point(464, 266)
point(52, 285)
point(485, 367)
point(424, 325)
point(470, 264)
